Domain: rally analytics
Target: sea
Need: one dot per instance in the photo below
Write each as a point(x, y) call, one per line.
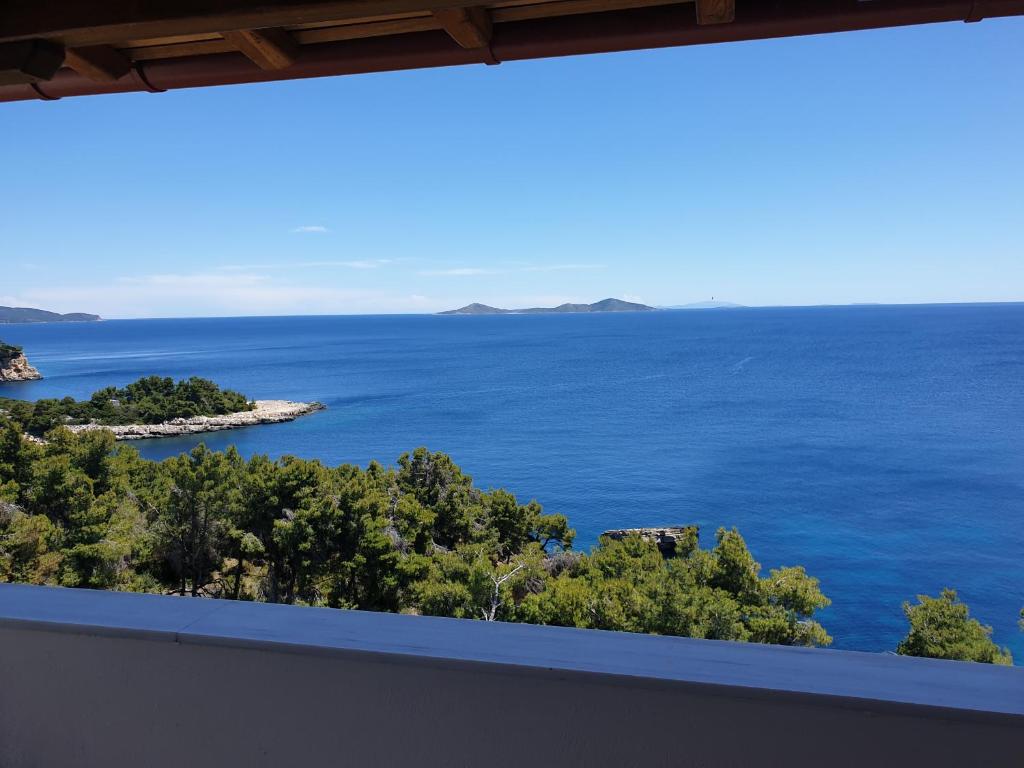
point(882, 447)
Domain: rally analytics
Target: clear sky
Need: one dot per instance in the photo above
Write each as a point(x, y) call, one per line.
point(879, 166)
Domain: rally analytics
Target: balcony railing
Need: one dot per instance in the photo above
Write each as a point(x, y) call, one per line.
point(109, 679)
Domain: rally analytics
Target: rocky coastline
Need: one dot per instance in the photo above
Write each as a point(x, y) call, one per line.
point(265, 412)
point(671, 540)
point(15, 367)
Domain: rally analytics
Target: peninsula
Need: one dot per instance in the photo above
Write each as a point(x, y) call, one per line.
point(154, 407)
point(14, 366)
point(607, 305)
point(30, 315)
point(262, 412)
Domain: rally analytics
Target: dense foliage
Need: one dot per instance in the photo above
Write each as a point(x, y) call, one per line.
point(7, 351)
point(418, 537)
point(150, 400)
point(942, 628)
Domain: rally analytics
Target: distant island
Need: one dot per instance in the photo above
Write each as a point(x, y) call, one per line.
point(607, 305)
point(30, 315)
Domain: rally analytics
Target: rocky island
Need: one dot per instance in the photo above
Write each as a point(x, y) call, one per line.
point(14, 366)
point(606, 305)
point(153, 406)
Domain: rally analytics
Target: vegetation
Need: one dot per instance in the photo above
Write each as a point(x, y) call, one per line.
point(942, 628)
point(7, 351)
point(418, 537)
point(150, 400)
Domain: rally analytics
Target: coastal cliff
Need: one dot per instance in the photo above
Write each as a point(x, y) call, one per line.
point(264, 412)
point(14, 366)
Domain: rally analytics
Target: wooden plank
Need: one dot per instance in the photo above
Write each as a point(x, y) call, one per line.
point(29, 61)
point(360, 20)
point(303, 36)
point(179, 50)
point(77, 23)
point(359, 31)
point(101, 63)
point(526, 11)
point(173, 40)
point(267, 48)
point(469, 27)
point(716, 11)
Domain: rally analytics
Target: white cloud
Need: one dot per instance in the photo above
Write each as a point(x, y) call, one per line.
point(471, 271)
point(351, 264)
point(317, 228)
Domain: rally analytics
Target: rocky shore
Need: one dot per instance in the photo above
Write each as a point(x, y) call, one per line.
point(265, 412)
point(15, 367)
point(671, 540)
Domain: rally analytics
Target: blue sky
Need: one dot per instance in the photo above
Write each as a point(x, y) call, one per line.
point(881, 166)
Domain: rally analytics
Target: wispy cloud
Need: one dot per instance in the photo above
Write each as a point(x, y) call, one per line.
point(471, 271)
point(349, 264)
point(311, 228)
point(458, 271)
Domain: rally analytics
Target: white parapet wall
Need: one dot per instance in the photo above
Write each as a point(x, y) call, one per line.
point(108, 679)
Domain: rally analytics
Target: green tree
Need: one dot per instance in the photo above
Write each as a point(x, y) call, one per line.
point(29, 547)
point(942, 628)
point(438, 484)
point(193, 516)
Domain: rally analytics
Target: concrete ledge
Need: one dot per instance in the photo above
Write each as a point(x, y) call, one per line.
point(91, 677)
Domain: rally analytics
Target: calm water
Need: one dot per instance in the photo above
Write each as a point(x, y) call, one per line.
point(882, 447)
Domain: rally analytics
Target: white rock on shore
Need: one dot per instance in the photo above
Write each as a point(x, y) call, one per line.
point(266, 412)
point(17, 368)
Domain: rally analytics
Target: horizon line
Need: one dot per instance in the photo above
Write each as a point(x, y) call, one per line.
point(660, 308)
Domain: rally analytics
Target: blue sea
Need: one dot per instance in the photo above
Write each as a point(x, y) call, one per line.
point(880, 446)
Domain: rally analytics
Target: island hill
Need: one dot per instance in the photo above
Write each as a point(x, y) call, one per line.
point(607, 305)
point(153, 406)
point(30, 315)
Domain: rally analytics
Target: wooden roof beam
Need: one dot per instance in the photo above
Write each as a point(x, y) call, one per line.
point(716, 11)
point(267, 48)
point(102, 63)
point(76, 23)
point(29, 61)
point(469, 27)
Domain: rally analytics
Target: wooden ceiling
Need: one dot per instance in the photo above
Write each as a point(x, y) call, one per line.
point(104, 43)
point(52, 48)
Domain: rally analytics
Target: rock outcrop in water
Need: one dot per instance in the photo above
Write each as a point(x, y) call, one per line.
point(14, 366)
point(265, 412)
point(672, 540)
